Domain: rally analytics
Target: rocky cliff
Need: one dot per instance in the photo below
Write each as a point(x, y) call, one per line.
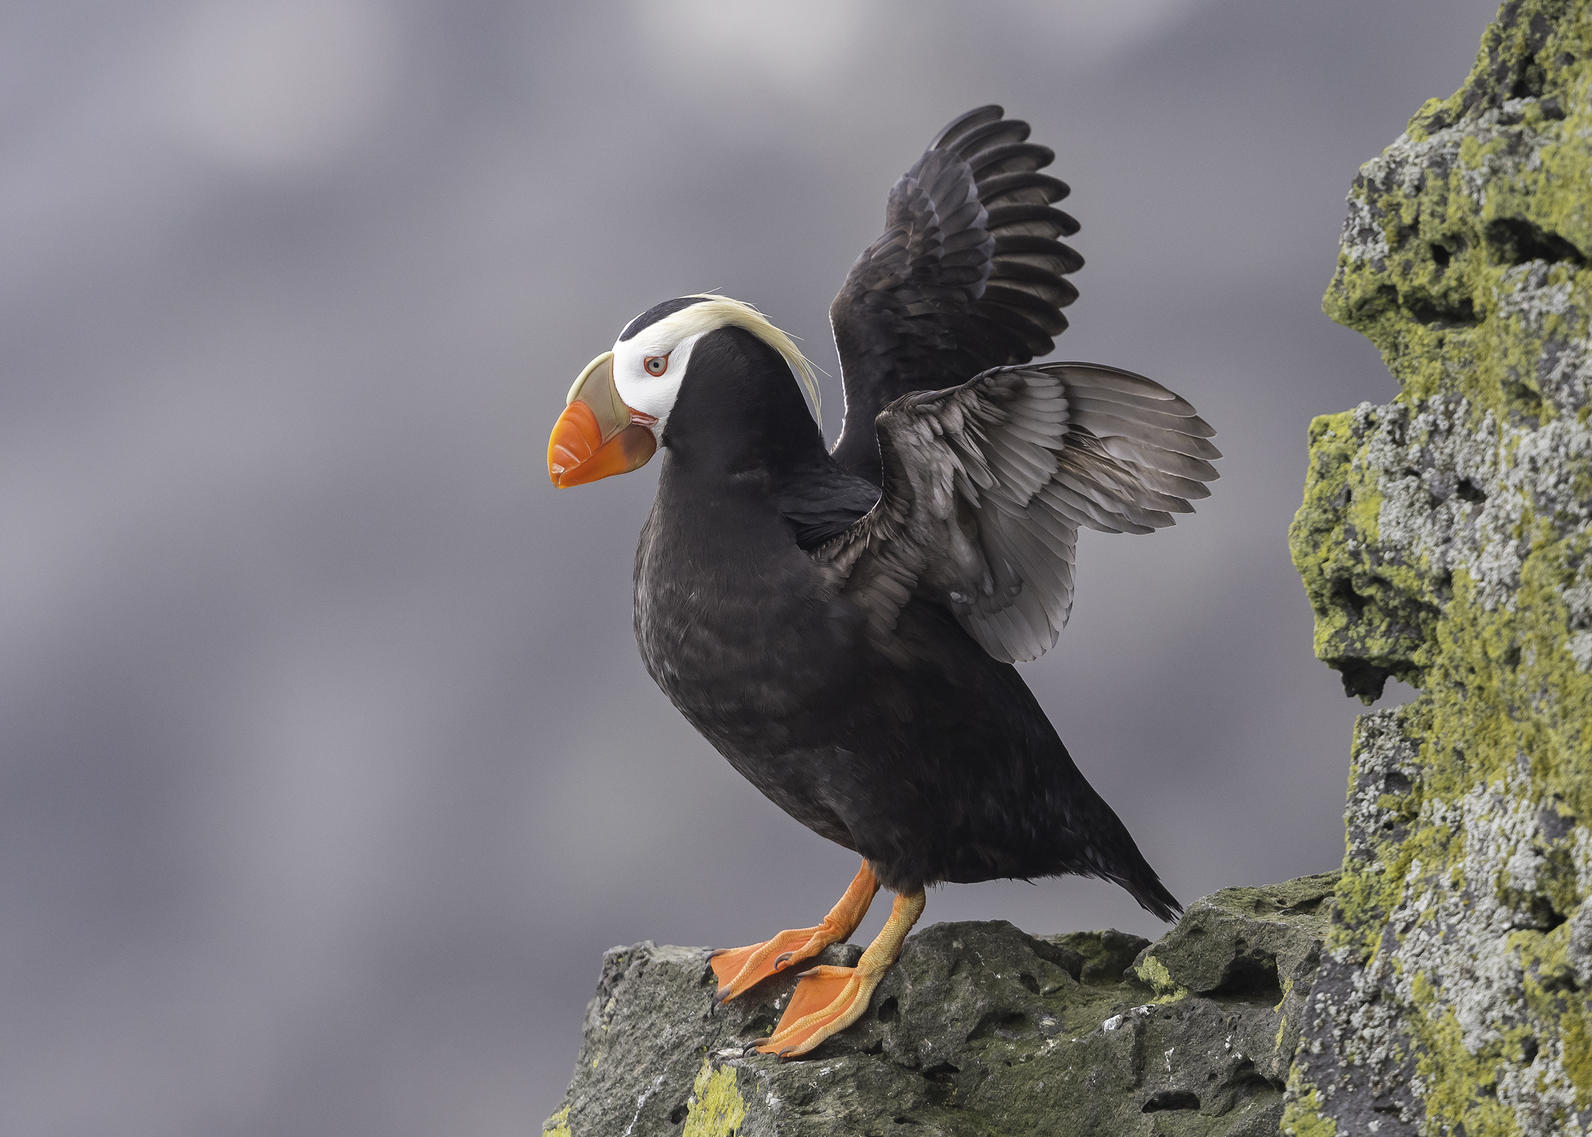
point(979, 1030)
point(1443, 985)
point(1444, 540)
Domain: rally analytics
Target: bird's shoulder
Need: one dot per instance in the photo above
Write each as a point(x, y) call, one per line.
point(823, 503)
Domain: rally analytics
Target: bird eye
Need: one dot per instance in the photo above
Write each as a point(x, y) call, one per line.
point(656, 364)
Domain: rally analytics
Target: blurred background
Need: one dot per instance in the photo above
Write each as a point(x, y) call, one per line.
point(328, 768)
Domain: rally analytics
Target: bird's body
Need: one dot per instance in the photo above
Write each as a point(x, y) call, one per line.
point(841, 624)
point(923, 753)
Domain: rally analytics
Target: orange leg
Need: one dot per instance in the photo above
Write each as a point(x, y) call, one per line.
point(738, 969)
point(829, 999)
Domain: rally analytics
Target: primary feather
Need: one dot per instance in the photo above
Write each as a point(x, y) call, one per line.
point(969, 274)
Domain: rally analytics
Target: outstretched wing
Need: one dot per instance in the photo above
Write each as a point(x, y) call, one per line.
point(987, 484)
point(968, 274)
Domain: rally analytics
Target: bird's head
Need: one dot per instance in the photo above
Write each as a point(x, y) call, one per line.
point(617, 413)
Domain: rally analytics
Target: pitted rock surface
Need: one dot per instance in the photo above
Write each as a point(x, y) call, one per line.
point(1444, 540)
point(980, 1029)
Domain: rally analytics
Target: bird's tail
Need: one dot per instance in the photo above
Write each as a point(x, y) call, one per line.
point(1153, 896)
point(1120, 862)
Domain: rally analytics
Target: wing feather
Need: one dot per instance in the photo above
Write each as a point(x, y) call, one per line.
point(967, 276)
point(985, 486)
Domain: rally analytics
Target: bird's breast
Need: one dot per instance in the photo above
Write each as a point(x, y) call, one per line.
point(739, 627)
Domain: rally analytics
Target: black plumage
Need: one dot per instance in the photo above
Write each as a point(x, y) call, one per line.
point(847, 694)
point(842, 625)
point(969, 274)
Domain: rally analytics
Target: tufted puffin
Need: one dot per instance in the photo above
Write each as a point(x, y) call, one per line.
point(841, 623)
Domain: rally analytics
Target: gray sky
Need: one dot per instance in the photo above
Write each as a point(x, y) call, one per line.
point(327, 765)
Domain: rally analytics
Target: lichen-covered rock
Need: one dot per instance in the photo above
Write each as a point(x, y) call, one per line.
point(1444, 540)
point(979, 1030)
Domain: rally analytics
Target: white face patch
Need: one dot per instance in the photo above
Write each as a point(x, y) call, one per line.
point(640, 388)
point(671, 339)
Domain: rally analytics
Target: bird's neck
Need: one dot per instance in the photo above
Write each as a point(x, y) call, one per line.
point(762, 472)
point(740, 414)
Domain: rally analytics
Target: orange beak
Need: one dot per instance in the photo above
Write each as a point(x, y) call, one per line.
point(598, 435)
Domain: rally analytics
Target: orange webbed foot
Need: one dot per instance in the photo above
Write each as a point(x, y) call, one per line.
point(826, 1001)
point(739, 969)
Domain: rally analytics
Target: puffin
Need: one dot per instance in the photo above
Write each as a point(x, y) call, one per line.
point(841, 623)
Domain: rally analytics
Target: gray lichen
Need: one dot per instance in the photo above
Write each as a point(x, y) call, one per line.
point(1444, 539)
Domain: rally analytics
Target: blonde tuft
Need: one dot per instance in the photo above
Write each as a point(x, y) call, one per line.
point(717, 311)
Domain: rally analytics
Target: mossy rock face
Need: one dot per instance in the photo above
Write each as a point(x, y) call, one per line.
point(1444, 540)
point(979, 1030)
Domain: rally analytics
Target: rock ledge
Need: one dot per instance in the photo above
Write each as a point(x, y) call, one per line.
point(981, 1029)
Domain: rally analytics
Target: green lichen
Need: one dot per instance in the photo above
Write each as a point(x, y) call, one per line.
point(1552, 993)
point(1303, 1117)
point(1461, 1087)
point(716, 1108)
point(1513, 692)
point(557, 1125)
point(1524, 52)
point(1506, 717)
point(1372, 619)
point(1501, 181)
point(1153, 972)
point(1578, 1052)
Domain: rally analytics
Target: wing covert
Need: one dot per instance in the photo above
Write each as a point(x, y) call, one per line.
point(986, 485)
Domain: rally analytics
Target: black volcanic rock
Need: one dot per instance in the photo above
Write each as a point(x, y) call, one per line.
point(980, 1029)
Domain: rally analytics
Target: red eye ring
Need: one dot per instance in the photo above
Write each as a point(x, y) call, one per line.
point(656, 364)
